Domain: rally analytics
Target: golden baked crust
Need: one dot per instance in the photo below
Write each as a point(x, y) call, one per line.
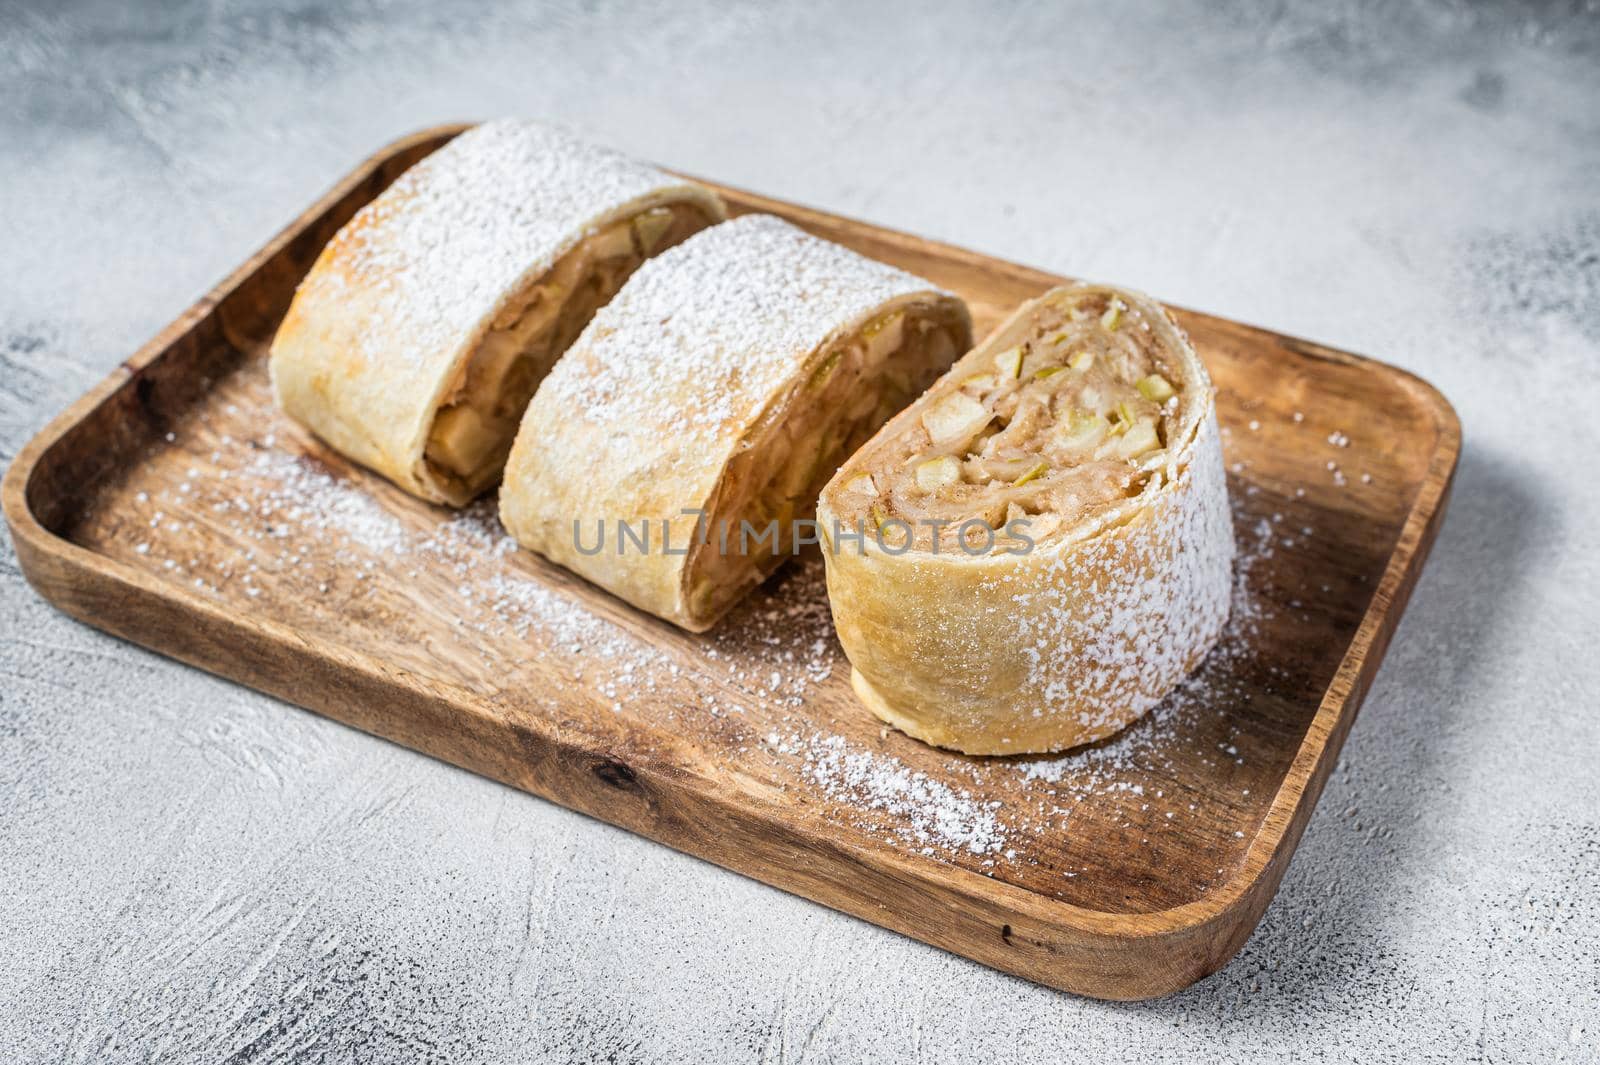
point(423, 327)
point(1109, 453)
point(724, 384)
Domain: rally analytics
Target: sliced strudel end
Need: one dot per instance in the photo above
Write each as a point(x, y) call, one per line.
point(419, 335)
point(709, 402)
point(1048, 546)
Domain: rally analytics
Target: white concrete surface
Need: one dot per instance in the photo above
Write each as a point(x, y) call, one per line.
point(193, 872)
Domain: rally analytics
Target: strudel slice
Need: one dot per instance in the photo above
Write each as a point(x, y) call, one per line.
point(420, 333)
point(1048, 545)
point(674, 455)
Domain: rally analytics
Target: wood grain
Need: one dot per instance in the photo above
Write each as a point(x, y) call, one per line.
point(163, 507)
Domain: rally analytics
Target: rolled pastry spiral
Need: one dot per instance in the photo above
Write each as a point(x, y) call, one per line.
point(722, 386)
point(1049, 546)
point(421, 331)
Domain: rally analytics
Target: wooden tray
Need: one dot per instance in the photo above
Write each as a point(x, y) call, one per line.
point(173, 507)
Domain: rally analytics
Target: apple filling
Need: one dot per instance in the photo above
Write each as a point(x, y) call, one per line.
point(473, 429)
point(1074, 418)
point(850, 391)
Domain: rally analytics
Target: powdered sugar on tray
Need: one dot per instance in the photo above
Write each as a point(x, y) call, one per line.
point(926, 812)
point(308, 502)
point(752, 683)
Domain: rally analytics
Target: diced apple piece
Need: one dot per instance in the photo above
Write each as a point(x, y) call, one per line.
point(878, 325)
point(982, 382)
point(983, 470)
point(543, 314)
point(1039, 526)
point(651, 226)
point(1155, 388)
point(883, 336)
point(1124, 417)
point(955, 417)
point(495, 357)
point(1083, 430)
point(824, 371)
point(460, 440)
point(1082, 361)
point(1152, 459)
point(1140, 438)
point(936, 473)
point(1033, 473)
point(861, 484)
point(612, 243)
point(1048, 372)
point(1009, 363)
point(1113, 316)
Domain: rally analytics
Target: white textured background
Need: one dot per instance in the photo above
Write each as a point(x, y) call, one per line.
point(193, 872)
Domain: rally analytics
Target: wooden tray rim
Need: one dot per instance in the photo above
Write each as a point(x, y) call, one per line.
point(1279, 829)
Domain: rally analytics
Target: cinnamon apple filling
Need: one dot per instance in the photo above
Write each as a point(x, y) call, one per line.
point(854, 387)
point(1072, 419)
point(472, 432)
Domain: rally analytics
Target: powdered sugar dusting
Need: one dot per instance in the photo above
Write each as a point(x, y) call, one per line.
point(452, 238)
point(1109, 763)
point(1144, 632)
point(701, 337)
point(926, 813)
point(309, 502)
